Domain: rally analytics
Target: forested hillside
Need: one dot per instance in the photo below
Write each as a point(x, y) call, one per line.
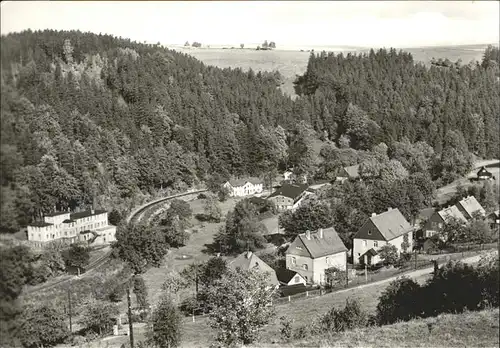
point(87, 115)
point(91, 117)
point(406, 99)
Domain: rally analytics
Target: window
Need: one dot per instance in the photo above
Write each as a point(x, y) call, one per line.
point(364, 243)
point(375, 244)
point(327, 260)
point(296, 279)
point(294, 261)
point(305, 267)
point(369, 232)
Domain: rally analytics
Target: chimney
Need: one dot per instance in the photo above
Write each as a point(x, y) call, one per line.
point(389, 209)
point(320, 233)
point(308, 235)
point(374, 214)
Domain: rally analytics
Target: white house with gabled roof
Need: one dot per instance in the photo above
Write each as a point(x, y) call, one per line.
point(244, 187)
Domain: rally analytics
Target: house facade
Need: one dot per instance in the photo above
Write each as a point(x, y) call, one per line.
point(244, 187)
point(389, 227)
point(494, 219)
point(469, 206)
point(290, 196)
point(90, 225)
point(311, 253)
point(249, 261)
point(438, 219)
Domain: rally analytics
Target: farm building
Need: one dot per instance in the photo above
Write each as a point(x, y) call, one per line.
point(346, 173)
point(289, 196)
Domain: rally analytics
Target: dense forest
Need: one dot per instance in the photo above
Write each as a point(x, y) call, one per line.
point(94, 118)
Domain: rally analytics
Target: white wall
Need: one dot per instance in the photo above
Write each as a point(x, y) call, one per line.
point(322, 263)
point(244, 190)
point(360, 246)
point(315, 267)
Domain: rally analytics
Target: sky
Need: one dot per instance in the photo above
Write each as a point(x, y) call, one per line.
point(353, 23)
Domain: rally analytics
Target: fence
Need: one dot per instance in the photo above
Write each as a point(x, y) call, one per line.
point(382, 274)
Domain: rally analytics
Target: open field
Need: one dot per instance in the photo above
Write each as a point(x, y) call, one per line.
point(294, 62)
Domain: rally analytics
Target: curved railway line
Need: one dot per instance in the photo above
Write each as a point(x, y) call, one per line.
point(134, 217)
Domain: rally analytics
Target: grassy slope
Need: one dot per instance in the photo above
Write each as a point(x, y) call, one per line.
point(471, 329)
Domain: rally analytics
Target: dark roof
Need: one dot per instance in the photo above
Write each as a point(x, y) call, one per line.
point(39, 224)
point(57, 213)
point(285, 275)
point(86, 213)
point(318, 247)
point(292, 191)
point(484, 172)
point(391, 224)
point(370, 252)
point(257, 200)
point(67, 221)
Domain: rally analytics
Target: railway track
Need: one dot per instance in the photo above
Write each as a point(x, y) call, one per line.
point(133, 217)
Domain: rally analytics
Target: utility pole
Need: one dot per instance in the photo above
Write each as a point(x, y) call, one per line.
point(366, 273)
point(69, 308)
point(130, 319)
point(415, 252)
point(346, 271)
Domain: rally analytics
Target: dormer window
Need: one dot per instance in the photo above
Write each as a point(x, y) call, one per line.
point(299, 248)
point(369, 232)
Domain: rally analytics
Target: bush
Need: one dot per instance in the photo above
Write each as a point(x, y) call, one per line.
point(399, 301)
point(286, 328)
point(345, 319)
point(190, 305)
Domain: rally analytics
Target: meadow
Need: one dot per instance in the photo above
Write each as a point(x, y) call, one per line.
point(291, 63)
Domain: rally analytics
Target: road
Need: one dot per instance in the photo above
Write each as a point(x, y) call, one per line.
point(445, 192)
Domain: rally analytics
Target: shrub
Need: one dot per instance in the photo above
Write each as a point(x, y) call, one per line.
point(399, 301)
point(286, 328)
point(345, 319)
point(189, 305)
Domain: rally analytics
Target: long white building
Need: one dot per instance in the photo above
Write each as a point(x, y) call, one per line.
point(90, 225)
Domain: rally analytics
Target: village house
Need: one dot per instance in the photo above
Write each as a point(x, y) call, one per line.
point(249, 261)
point(494, 219)
point(469, 206)
point(289, 196)
point(437, 220)
point(244, 187)
point(346, 173)
point(90, 225)
point(311, 253)
point(389, 227)
point(484, 174)
point(288, 277)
